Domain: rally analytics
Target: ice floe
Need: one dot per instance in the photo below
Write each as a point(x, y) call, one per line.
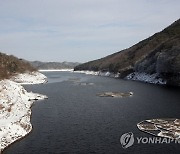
point(115, 94)
point(169, 128)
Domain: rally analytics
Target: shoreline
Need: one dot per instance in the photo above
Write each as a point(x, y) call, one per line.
point(141, 77)
point(57, 70)
point(135, 76)
point(15, 107)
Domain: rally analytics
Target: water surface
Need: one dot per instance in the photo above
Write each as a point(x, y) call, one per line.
point(75, 120)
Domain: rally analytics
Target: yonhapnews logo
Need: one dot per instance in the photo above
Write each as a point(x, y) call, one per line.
point(128, 139)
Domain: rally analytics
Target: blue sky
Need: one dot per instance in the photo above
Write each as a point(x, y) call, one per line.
point(79, 30)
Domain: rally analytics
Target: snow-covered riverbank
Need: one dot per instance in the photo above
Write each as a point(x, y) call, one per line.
point(108, 74)
point(57, 70)
point(144, 77)
point(15, 107)
point(30, 78)
point(87, 72)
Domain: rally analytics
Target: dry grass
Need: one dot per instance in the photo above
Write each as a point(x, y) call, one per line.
point(9, 65)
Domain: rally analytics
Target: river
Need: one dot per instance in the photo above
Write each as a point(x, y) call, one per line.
point(74, 120)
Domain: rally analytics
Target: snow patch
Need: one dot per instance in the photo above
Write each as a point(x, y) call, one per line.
point(29, 78)
point(88, 72)
point(99, 73)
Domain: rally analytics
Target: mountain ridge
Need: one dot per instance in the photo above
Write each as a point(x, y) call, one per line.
point(53, 65)
point(159, 54)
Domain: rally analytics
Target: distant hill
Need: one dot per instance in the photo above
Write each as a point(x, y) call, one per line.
point(159, 54)
point(9, 65)
point(53, 65)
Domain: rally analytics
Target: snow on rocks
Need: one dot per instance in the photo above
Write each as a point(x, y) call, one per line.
point(153, 78)
point(109, 74)
point(99, 73)
point(144, 77)
point(87, 72)
point(15, 104)
point(30, 78)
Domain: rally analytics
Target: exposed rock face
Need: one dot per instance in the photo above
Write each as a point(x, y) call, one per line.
point(165, 61)
point(159, 54)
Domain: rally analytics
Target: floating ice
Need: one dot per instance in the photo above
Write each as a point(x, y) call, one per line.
point(115, 94)
point(169, 128)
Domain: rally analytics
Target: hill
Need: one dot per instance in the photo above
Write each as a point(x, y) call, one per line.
point(53, 65)
point(158, 54)
point(9, 65)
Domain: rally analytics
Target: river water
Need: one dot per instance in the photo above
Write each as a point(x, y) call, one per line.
point(74, 120)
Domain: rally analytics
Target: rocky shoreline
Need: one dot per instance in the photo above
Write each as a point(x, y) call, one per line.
point(15, 107)
point(143, 77)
